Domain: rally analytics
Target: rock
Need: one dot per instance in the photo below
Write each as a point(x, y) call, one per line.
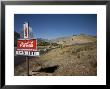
point(49, 64)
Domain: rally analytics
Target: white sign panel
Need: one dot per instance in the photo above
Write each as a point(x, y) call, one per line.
point(26, 30)
point(27, 53)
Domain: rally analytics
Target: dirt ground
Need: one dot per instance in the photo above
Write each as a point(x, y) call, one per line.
point(74, 60)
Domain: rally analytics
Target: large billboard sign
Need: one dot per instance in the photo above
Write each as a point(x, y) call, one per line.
point(28, 44)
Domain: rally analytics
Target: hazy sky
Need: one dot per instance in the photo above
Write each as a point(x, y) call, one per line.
point(51, 26)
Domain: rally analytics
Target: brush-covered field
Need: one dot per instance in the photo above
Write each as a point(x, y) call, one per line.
point(73, 60)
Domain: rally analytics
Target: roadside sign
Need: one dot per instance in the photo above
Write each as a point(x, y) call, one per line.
point(27, 47)
point(28, 44)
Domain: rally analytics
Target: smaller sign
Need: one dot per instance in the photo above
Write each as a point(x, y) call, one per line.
point(27, 53)
point(28, 44)
point(26, 30)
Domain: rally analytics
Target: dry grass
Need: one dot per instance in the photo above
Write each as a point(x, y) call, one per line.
point(74, 60)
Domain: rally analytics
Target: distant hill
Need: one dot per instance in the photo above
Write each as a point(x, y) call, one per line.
point(75, 39)
point(42, 39)
point(43, 42)
point(67, 40)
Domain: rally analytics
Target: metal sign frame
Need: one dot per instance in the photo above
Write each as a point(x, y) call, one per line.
point(5, 3)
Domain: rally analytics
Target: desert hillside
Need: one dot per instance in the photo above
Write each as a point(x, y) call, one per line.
point(75, 39)
point(73, 60)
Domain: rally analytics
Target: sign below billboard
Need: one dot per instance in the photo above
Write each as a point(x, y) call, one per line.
point(27, 53)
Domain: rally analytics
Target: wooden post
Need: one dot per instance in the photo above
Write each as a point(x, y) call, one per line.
point(27, 60)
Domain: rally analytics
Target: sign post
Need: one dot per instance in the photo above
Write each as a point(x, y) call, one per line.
point(27, 60)
point(27, 47)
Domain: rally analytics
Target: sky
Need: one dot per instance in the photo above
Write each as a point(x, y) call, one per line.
point(51, 26)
